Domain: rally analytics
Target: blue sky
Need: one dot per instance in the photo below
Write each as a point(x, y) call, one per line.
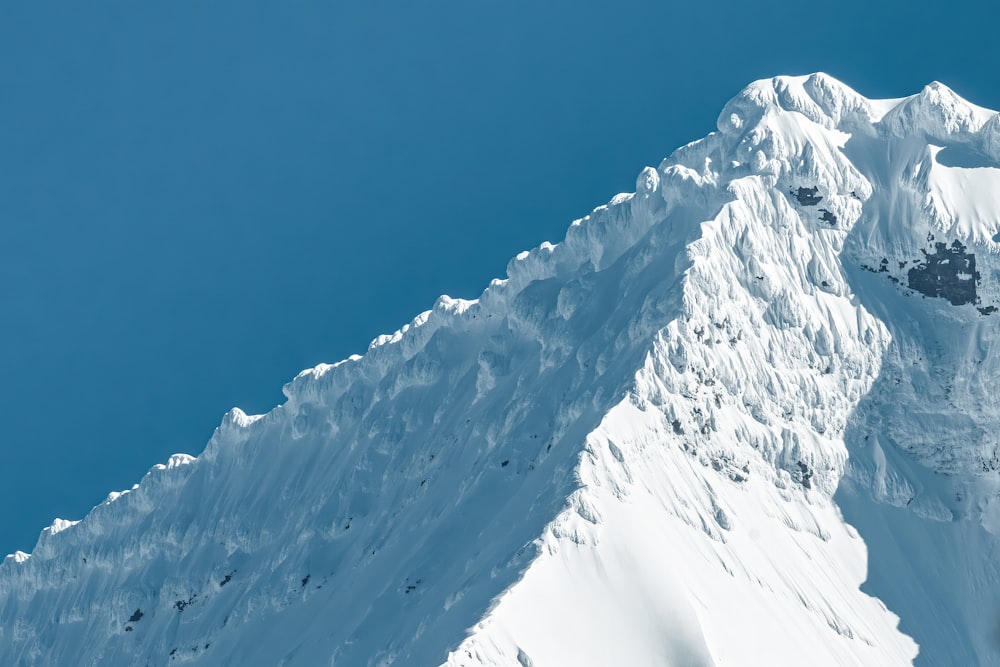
point(198, 201)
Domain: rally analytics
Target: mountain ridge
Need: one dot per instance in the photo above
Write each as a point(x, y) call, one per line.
point(673, 403)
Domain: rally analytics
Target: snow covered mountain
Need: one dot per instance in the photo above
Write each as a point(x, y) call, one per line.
point(741, 416)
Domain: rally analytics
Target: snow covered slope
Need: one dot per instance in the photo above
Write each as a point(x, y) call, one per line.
point(741, 416)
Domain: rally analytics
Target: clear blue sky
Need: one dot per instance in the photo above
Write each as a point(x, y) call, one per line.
point(199, 199)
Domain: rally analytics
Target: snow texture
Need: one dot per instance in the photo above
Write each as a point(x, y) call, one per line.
point(741, 416)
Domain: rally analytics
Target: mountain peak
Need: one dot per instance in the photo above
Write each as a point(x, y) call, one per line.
point(819, 97)
point(938, 113)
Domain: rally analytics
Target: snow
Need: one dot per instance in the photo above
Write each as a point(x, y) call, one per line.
point(60, 525)
point(937, 112)
point(733, 418)
point(964, 194)
point(658, 582)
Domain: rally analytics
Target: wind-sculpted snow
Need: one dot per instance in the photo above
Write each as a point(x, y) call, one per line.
point(638, 448)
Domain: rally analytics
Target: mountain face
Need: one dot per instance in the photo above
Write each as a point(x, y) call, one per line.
point(742, 416)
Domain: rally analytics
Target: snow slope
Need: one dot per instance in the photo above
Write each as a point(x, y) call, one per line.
point(741, 416)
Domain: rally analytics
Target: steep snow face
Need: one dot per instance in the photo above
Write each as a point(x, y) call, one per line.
point(639, 448)
point(706, 492)
point(922, 484)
